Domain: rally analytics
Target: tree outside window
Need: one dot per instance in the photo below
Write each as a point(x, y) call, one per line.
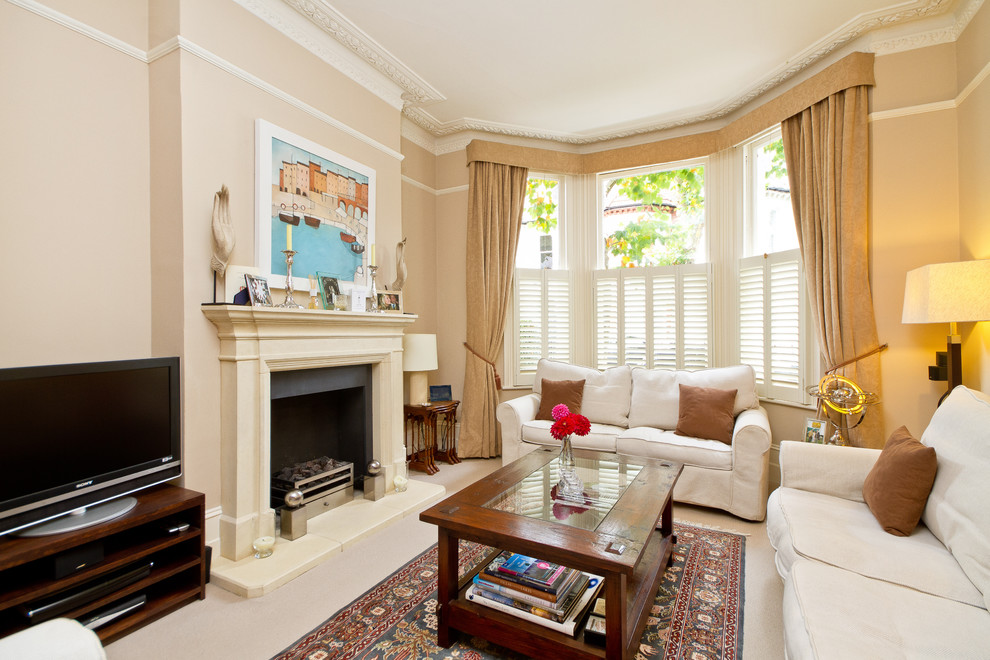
point(654, 219)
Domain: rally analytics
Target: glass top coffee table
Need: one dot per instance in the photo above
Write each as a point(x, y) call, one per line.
point(621, 529)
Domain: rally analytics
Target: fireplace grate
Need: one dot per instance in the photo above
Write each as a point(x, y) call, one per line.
point(315, 479)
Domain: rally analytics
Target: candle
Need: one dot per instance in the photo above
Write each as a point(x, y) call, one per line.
point(372, 262)
point(264, 546)
point(288, 236)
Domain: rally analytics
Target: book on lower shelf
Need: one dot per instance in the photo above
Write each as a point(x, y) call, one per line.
point(558, 608)
point(540, 578)
point(568, 626)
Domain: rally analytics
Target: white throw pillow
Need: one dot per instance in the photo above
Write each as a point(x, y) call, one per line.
point(656, 396)
point(957, 511)
point(606, 393)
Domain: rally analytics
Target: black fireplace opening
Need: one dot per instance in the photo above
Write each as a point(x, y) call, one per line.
point(322, 412)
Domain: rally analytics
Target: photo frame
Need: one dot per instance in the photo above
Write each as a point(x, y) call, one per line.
point(258, 290)
point(316, 201)
point(814, 430)
point(390, 302)
point(440, 393)
point(329, 290)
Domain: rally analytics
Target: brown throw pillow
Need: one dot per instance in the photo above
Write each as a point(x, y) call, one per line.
point(554, 392)
point(897, 488)
point(706, 412)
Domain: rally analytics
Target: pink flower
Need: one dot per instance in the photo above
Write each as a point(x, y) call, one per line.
point(570, 423)
point(559, 410)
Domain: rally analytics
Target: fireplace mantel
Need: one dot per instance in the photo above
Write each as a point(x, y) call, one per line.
point(255, 341)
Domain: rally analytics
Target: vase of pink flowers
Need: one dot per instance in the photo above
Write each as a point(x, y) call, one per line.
point(566, 423)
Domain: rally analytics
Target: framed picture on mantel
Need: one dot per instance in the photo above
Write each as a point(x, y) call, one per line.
point(313, 201)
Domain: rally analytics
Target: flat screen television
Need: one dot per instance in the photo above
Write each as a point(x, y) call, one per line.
point(80, 438)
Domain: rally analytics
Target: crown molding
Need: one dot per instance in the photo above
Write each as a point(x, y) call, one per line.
point(416, 91)
point(931, 37)
point(343, 30)
point(308, 34)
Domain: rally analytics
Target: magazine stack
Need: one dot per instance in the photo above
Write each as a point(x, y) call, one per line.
point(542, 592)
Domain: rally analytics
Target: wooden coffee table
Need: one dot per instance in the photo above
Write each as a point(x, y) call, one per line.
point(626, 536)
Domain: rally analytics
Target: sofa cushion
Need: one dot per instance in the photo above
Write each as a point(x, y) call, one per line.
point(655, 392)
point(839, 532)
point(706, 412)
point(897, 487)
point(606, 393)
point(557, 392)
point(651, 442)
point(601, 437)
point(832, 613)
point(957, 510)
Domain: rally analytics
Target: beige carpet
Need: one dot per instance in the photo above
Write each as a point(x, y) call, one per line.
point(226, 626)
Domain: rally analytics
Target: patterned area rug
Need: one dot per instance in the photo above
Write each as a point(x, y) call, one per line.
point(697, 612)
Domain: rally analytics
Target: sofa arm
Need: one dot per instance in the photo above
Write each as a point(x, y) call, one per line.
point(836, 471)
point(750, 464)
point(57, 639)
point(512, 414)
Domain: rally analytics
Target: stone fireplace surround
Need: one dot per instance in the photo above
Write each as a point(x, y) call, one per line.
point(256, 341)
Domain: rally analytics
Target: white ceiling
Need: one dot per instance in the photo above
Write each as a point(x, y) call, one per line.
point(583, 71)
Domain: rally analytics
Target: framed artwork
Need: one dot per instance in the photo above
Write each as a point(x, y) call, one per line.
point(814, 430)
point(315, 202)
point(258, 291)
point(390, 301)
point(329, 290)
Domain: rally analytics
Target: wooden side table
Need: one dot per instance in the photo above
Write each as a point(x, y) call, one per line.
point(446, 427)
point(429, 430)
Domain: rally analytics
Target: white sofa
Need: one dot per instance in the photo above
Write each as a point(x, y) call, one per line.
point(634, 411)
point(851, 590)
point(57, 639)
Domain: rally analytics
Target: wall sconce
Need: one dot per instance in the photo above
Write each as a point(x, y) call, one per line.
point(951, 293)
point(419, 355)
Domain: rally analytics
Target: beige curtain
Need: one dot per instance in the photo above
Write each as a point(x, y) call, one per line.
point(827, 152)
point(496, 198)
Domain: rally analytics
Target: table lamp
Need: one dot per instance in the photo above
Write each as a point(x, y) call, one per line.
point(419, 355)
point(950, 293)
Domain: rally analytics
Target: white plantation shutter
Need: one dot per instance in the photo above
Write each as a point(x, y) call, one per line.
point(606, 319)
point(634, 320)
point(665, 321)
point(542, 315)
point(653, 317)
point(694, 295)
point(771, 323)
point(751, 315)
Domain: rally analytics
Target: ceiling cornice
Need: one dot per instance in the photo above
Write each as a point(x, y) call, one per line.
point(417, 93)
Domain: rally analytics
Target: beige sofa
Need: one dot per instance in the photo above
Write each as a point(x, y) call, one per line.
point(634, 411)
point(851, 590)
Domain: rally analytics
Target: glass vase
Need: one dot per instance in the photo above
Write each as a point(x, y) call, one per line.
point(570, 487)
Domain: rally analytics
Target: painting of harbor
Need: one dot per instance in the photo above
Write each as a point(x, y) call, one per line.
point(319, 204)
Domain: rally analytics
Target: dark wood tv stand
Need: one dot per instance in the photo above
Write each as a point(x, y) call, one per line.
point(27, 572)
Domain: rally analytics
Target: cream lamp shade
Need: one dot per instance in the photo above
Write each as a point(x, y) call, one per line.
point(950, 293)
point(419, 355)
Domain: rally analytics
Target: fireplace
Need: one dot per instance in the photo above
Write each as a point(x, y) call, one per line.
point(266, 353)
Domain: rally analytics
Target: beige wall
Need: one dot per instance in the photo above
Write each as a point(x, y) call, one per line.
point(74, 178)
point(973, 60)
point(929, 203)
